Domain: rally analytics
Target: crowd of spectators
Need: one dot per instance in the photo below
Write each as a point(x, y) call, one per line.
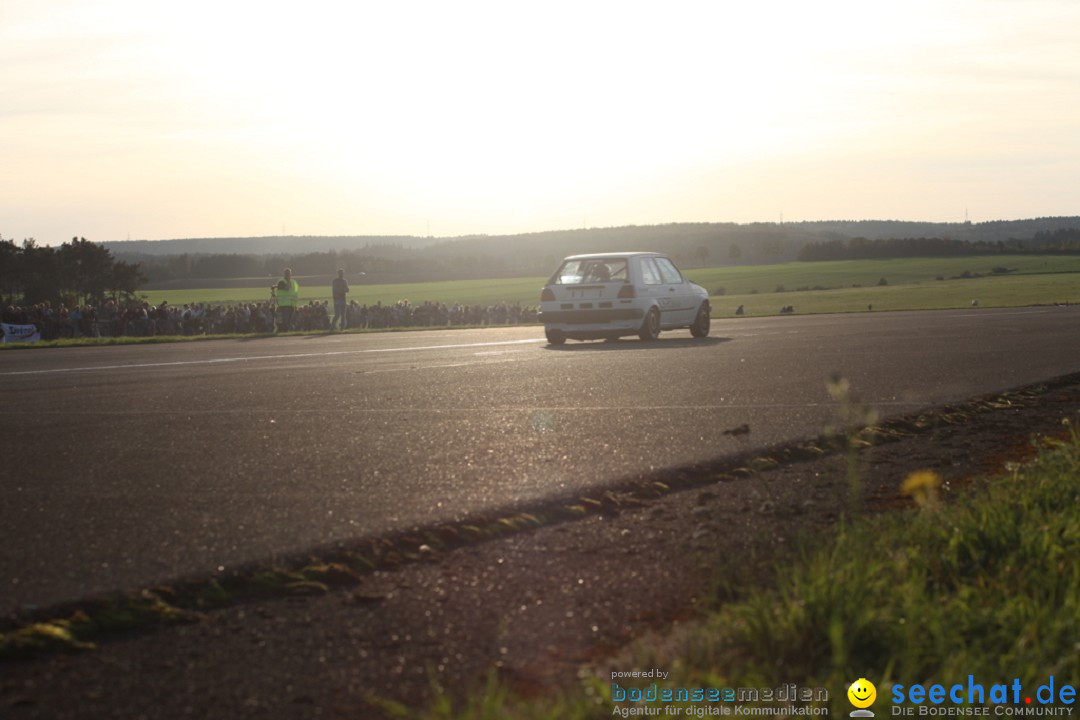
point(140, 319)
point(431, 314)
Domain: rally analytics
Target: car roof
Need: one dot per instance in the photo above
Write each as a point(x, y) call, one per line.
point(590, 256)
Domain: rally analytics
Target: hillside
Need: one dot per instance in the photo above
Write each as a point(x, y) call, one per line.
point(271, 245)
point(410, 258)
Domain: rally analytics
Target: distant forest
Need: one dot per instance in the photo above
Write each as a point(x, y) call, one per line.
point(1061, 241)
point(174, 263)
point(207, 262)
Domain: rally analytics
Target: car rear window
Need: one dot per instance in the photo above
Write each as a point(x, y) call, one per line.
point(591, 270)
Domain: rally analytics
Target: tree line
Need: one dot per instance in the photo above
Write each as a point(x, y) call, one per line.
point(1059, 239)
point(388, 263)
point(76, 273)
point(859, 248)
point(408, 259)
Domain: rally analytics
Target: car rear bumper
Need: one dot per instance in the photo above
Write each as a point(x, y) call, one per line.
point(590, 317)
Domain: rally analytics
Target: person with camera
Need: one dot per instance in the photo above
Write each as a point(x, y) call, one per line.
point(287, 294)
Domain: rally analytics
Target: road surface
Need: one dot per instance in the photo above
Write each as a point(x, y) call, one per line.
point(126, 466)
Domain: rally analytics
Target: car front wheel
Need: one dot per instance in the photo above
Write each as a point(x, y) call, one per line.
point(700, 328)
point(650, 329)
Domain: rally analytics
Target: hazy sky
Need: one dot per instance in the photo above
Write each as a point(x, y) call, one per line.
point(150, 119)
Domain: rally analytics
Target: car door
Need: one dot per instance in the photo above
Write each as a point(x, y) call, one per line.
point(676, 302)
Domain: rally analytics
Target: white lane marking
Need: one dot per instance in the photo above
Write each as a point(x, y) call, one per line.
point(382, 371)
point(285, 356)
point(507, 409)
point(976, 313)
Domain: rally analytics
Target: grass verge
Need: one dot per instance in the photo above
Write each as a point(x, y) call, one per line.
point(986, 586)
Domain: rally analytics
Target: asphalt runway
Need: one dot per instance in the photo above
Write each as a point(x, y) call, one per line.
point(127, 466)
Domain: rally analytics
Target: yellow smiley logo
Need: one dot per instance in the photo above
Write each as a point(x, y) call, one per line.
point(862, 693)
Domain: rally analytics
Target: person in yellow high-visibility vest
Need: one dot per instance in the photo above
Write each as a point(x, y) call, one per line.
point(287, 292)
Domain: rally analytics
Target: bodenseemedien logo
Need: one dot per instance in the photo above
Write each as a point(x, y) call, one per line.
point(862, 694)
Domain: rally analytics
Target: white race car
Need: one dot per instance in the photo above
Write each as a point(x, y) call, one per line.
point(609, 295)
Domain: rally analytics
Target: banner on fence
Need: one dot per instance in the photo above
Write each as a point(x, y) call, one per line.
point(19, 333)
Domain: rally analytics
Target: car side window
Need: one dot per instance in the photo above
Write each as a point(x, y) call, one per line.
point(649, 274)
point(668, 271)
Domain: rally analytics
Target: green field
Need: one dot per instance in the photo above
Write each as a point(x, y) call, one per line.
point(1007, 291)
point(912, 285)
point(468, 292)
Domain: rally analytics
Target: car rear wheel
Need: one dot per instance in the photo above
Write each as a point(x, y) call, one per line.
point(650, 329)
point(700, 328)
point(555, 337)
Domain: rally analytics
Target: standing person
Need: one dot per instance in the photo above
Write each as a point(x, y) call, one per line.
point(341, 289)
point(288, 297)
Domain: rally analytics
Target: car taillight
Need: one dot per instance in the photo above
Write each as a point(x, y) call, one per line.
point(547, 294)
point(627, 292)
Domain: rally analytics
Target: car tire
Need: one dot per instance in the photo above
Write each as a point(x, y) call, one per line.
point(555, 337)
point(700, 328)
point(650, 329)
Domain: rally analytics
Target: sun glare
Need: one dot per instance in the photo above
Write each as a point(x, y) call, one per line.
point(505, 117)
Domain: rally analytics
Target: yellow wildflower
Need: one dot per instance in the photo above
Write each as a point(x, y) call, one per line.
point(922, 486)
